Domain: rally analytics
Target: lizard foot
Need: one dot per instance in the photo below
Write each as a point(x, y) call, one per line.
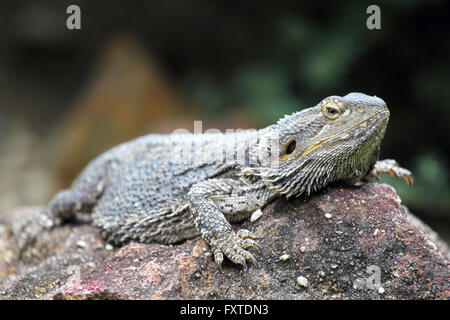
point(233, 246)
point(391, 167)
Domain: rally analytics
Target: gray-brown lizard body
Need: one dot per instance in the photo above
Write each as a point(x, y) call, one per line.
point(168, 188)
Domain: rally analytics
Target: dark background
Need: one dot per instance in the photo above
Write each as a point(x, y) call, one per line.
point(153, 66)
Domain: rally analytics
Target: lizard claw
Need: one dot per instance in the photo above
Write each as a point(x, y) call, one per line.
point(252, 260)
point(247, 243)
point(233, 247)
point(391, 167)
point(218, 257)
point(375, 175)
point(243, 263)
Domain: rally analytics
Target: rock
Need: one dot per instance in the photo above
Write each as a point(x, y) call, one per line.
point(285, 257)
point(302, 281)
point(256, 215)
point(342, 257)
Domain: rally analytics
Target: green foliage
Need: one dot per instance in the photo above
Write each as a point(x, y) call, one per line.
point(264, 89)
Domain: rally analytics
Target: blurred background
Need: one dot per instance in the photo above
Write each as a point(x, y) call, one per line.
point(153, 66)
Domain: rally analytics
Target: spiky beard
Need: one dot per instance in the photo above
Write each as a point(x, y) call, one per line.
point(312, 172)
point(309, 175)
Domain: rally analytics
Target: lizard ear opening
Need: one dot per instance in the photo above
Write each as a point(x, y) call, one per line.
point(288, 149)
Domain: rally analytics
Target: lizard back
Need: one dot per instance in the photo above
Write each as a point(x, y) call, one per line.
point(147, 185)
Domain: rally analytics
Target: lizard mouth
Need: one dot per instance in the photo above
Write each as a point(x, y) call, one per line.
point(318, 143)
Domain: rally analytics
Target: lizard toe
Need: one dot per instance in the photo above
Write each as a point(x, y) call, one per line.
point(248, 256)
point(404, 174)
point(391, 167)
point(249, 243)
point(244, 234)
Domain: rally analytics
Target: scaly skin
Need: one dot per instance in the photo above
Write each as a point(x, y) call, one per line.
point(168, 188)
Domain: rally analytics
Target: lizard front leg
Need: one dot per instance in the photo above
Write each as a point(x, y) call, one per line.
point(209, 203)
point(391, 167)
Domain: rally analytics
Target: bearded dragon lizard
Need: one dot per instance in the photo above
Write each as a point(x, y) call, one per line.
point(169, 188)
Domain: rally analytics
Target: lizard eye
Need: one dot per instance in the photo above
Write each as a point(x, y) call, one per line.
point(331, 111)
point(290, 147)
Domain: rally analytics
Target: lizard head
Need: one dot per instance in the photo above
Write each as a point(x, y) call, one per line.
point(338, 139)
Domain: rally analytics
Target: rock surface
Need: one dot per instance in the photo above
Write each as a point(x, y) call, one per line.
point(340, 243)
